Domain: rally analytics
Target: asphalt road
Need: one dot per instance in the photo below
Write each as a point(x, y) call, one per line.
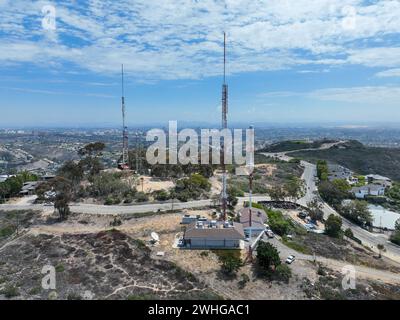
point(124, 209)
point(117, 209)
point(361, 271)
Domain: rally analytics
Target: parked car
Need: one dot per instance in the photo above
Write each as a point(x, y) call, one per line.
point(270, 234)
point(302, 215)
point(290, 259)
point(310, 226)
point(318, 231)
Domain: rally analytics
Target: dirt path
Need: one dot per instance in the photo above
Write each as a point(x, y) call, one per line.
point(362, 272)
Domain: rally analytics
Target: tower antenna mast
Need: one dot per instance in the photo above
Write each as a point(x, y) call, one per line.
point(124, 164)
point(224, 126)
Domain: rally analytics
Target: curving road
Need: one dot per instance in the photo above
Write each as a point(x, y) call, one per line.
point(372, 240)
point(361, 271)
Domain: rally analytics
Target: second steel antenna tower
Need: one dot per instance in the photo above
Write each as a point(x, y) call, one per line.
point(224, 195)
point(124, 164)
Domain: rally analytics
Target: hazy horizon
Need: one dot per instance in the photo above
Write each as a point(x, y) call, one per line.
point(198, 124)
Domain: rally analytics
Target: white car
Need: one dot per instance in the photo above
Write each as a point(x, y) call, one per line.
point(270, 234)
point(290, 259)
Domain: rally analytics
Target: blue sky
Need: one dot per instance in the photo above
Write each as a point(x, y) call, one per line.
point(288, 61)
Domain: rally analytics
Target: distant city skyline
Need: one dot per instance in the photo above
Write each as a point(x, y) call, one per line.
point(288, 62)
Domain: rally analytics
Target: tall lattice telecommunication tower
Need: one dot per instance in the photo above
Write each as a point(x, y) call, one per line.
point(224, 195)
point(124, 164)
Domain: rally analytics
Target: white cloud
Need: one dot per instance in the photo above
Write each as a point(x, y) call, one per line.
point(50, 92)
point(378, 95)
point(376, 57)
point(389, 73)
point(174, 39)
point(368, 95)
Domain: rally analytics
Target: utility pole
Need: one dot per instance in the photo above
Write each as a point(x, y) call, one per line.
point(224, 195)
point(142, 180)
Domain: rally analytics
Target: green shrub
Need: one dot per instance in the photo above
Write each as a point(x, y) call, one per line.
point(278, 223)
point(106, 184)
point(128, 199)
point(116, 200)
point(348, 233)
point(35, 291)
point(10, 291)
point(230, 260)
point(109, 201)
point(254, 205)
point(74, 296)
point(395, 238)
point(59, 268)
point(161, 195)
point(6, 231)
point(141, 197)
point(143, 296)
point(283, 273)
point(321, 270)
point(244, 280)
point(333, 226)
point(267, 257)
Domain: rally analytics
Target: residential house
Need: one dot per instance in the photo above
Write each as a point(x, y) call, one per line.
point(28, 188)
point(336, 172)
point(378, 179)
point(4, 177)
point(368, 190)
point(214, 235)
point(252, 223)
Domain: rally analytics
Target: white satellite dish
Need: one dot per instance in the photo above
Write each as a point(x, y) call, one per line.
point(155, 236)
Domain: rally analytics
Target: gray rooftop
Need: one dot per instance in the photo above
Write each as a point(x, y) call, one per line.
point(258, 217)
point(377, 177)
point(368, 187)
point(216, 231)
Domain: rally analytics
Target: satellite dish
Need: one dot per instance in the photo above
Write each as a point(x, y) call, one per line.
point(155, 236)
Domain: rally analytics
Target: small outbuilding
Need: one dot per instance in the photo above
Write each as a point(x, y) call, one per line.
point(252, 223)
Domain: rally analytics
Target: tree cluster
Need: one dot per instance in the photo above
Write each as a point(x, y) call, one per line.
point(395, 237)
point(333, 226)
point(13, 185)
point(357, 211)
point(192, 187)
